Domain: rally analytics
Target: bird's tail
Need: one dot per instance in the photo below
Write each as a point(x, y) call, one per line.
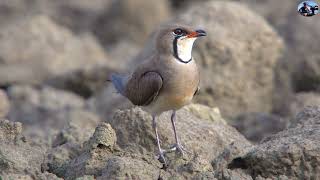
point(119, 82)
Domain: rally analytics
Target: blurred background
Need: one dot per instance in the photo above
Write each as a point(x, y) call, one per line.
point(259, 64)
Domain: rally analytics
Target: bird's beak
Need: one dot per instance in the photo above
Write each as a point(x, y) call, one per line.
point(197, 33)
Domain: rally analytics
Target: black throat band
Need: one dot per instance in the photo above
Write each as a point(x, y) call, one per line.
point(175, 51)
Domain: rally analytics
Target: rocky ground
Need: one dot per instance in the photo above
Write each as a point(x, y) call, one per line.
point(257, 114)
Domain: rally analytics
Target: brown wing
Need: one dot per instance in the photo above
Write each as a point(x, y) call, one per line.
point(142, 89)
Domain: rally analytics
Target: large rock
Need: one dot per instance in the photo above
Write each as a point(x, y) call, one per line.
point(127, 152)
point(194, 132)
point(206, 113)
point(10, 131)
point(303, 56)
point(45, 111)
point(131, 19)
point(43, 176)
point(302, 100)
point(79, 128)
point(256, 126)
point(36, 48)
point(79, 15)
point(308, 116)
point(293, 153)
point(4, 104)
point(107, 102)
point(239, 55)
point(299, 34)
point(18, 156)
point(29, 103)
point(300, 65)
point(124, 167)
point(85, 83)
point(94, 81)
point(12, 10)
point(220, 164)
point(72, 158)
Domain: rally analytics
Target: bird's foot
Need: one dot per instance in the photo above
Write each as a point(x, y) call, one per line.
point(178, 148)
point(161, 158)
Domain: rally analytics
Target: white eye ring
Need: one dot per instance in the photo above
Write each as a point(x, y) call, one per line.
point(178, 32)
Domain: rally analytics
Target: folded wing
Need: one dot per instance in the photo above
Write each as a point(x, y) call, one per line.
point(142, 89)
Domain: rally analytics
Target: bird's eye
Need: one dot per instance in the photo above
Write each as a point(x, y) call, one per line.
point(179, 32)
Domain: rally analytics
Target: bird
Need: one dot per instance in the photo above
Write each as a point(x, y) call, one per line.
point(166, 79)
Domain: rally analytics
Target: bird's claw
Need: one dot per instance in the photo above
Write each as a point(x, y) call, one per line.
point(178, 148)
point(161, 157)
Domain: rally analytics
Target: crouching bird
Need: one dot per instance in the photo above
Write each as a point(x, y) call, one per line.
point(167, 79)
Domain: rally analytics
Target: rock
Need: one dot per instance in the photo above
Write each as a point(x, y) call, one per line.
point(283, 92)
point(125, 61)
point(86, 178)
point(256, 126)
point(43, 176)
point(18, 9)
point(82, 82)
point(4, 104)
point(92, 82)
point(10, 131)
point(292, 153)
point(126, 20)
point(107, 102)
point(303, 56)
point(194, 132)
point(80, 128)
point(44, 111)
point(17, 176)
point(49, 176)
point(61, 51)
point(308, 116)
point(299, 65)
point(72, 160)
point(220, 163)
point(104, 136)
point(239, 55)
point(78, 15)
point(206, 113)
point(26, 99)
point(302, 100)
point(75, 125)
point(17, 155)
point(20, 158)
point(299, 34)
point(122, 168)
point(128, 150)
point(233, 175)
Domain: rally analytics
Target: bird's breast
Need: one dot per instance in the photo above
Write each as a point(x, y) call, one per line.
point(180, 83)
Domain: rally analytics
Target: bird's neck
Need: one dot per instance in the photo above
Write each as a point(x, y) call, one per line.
point(182, 49)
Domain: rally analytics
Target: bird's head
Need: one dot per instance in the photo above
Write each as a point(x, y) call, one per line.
point(178, 40)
